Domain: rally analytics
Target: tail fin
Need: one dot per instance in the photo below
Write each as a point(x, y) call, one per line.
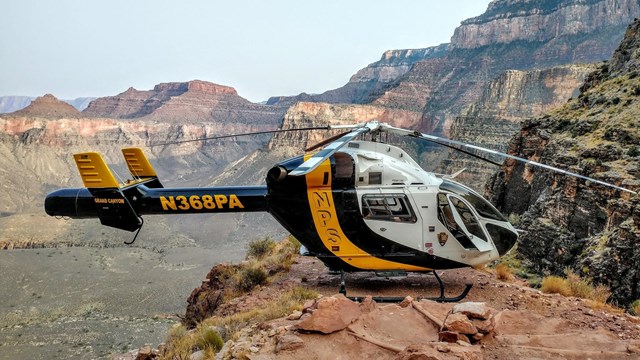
point(94, 171)
point(112, 206)
point(140, 168)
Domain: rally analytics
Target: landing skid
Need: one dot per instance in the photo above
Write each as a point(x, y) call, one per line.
point(393, 299)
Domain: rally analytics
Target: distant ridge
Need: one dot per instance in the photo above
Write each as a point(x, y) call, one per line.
point(9, 104)
point(48, 106)
point(191, 101)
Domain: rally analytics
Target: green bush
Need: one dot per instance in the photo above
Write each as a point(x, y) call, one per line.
point(249, 277)
point(209, 338)
point(259, 248)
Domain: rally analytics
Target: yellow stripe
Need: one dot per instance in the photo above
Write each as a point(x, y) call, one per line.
point(328, 228)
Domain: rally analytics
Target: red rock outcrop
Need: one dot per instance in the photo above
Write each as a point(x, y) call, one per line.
point(48, 107)
point(186, 102)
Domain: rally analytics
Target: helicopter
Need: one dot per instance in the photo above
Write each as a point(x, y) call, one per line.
point(355, 205)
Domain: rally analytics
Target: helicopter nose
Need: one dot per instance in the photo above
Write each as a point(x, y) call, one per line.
point(503, 238)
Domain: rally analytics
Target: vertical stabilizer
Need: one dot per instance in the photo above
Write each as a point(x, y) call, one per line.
point(94, 171)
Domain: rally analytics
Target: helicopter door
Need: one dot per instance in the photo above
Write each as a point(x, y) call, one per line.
point(390, 214)
point(457, 216)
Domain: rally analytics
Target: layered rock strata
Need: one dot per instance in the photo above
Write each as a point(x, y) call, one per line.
point(505, 102)
point(587, 227)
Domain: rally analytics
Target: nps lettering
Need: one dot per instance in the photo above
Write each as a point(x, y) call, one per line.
point(196, 202)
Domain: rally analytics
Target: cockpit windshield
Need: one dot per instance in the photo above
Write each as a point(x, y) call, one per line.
point(482, 206)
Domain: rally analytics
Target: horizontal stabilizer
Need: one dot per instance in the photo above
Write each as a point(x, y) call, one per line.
point(139, 166)
point(94, 171)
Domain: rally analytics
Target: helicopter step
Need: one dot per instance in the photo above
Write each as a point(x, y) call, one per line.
point(397, 299)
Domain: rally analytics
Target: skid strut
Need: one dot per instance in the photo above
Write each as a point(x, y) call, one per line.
point(392, 299)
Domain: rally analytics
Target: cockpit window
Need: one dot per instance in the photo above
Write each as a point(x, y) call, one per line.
point(388, 207)
point(470, 221)
point(482, 206)
point(461, 222)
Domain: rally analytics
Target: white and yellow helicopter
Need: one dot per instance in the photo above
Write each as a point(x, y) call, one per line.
point(355, 205)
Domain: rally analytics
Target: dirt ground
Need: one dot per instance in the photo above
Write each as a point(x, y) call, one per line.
point(530, 324)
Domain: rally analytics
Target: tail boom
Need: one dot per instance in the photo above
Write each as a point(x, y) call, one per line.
point(84, 203)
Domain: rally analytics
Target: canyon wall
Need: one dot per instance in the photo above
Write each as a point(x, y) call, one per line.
point(506, 101)
point(571, 223)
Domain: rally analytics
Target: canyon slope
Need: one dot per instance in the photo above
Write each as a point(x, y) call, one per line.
point(586, 227)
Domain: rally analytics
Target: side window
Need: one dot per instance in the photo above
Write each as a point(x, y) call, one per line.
point(388, 207)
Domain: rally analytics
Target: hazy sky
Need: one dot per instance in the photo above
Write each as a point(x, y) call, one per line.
point(74, 48)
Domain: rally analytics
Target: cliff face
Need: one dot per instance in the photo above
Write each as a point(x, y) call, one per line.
point(508, 21)
point(373, 78)
point(505, 102)
point(590, 228)
point(193, 101)
point(511, 35)
point(306, 114)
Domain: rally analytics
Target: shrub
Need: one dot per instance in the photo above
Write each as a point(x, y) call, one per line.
point(584, 288)
point(580, 287)
point(180, 344)
point(294, 244)
point(249, 277)
point(259, 248)
point(503, 272)
point(209, 338)
point(555, 285)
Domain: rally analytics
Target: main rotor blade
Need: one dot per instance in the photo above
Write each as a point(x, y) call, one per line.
point(322, 155)
point(446, 142)
point(325, 141)
point(242, 134)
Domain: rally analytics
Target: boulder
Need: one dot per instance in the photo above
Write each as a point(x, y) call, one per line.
point(460, 323)
point(473, 310)
point(145, 353)
point(332, 314)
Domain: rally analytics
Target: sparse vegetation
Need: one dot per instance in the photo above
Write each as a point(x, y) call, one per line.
point(260, 248)
point(248, 277)
point(574, 285)
point(555, 285)
point(284, 305)
point(265, 259)
point(503, 272)
point(209, 338)
point(182, 343)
